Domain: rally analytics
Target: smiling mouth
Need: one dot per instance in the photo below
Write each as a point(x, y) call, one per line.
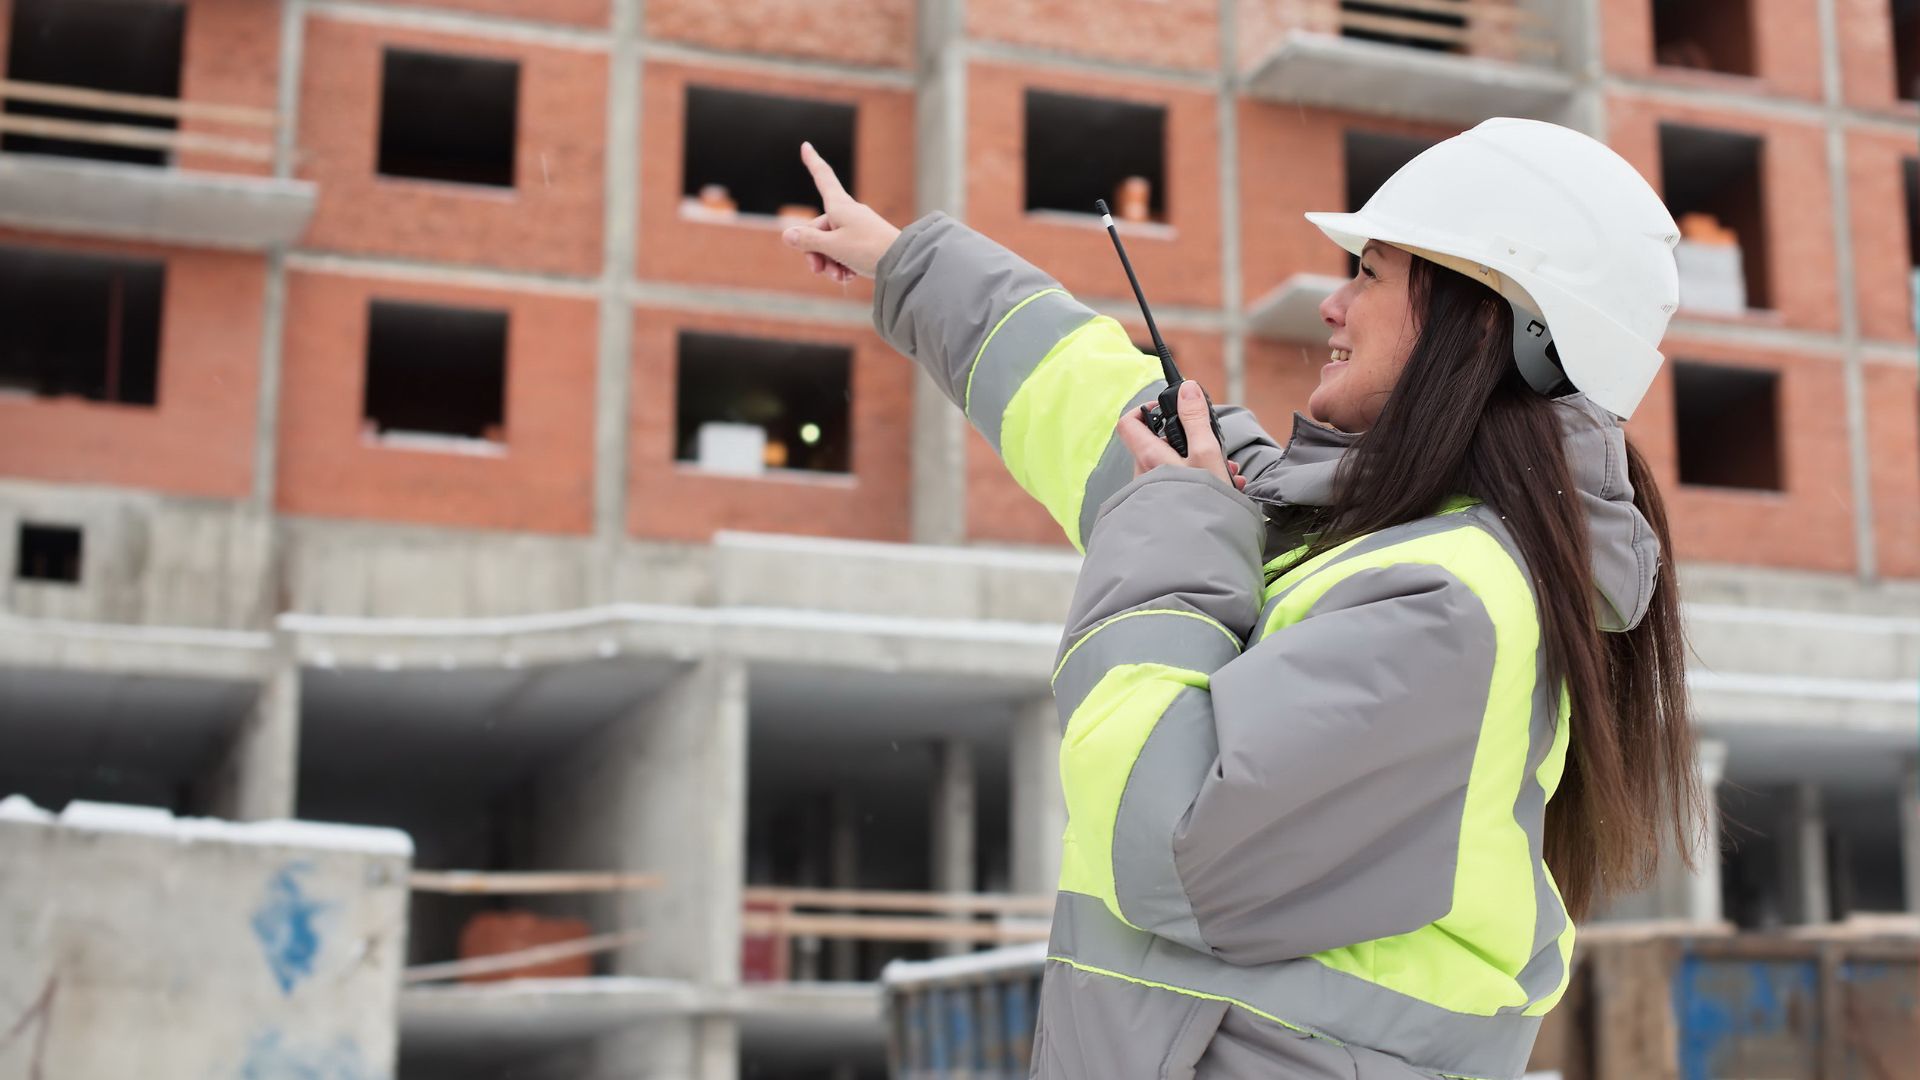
point(1341, 356)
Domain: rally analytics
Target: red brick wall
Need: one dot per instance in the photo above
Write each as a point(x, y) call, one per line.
point(1867, 68)
point(748, 253)
point(1161, 33)
point(872, 32)
point(231, 56)
point(592, 13)
point(1786, 47)
point(550, 221)
point(1881, 261)
point(544, 481)
point(1292, 160)
point(1893, 450)
point(1280, 378)
point(1809, 525)
point(1180, 265)
point(675, 501)
point(1794, 185)
point(999, 511)
point(197, 439)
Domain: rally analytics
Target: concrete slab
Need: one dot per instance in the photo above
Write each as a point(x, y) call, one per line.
point(1367, 76)
point(158, 205)
point(136, 738)
point(1290, 311)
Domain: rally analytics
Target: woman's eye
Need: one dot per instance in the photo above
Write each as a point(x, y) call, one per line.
point(1367, 270)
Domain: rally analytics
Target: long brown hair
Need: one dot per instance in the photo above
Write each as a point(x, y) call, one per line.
point(1461, 421)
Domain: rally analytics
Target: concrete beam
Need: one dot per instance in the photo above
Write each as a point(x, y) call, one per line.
point(1367, 76)
point(1038, 814)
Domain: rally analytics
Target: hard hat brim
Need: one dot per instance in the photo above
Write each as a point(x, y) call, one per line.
point(1603, 359)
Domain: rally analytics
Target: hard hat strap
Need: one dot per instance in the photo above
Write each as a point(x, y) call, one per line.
point(1534, 354)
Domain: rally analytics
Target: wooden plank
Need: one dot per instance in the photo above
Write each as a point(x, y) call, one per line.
point(856, 900)
point(883, 928)
point(501, 883)
point(143, 104)
point(129, 135)
point(1500, 14)
point(1405, 27)
point(519, 958)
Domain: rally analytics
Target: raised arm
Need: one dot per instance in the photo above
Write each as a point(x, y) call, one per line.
point(1039, 374)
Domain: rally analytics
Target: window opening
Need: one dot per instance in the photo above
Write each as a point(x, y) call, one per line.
point(1079, 149)
point(48, 553)
point(80, 325)
point(1714, 187)
point(746, 405)
point(451, 118)
point(436, 371)
point(1728, 424)
point(1707, 35)
point(1906, 49)
point(741, 152)
point(119, 46)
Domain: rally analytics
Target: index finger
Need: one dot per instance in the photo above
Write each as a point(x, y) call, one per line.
point(823, 176)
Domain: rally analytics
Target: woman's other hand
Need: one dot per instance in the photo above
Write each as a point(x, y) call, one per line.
point(846, 240)
point(1203, 450)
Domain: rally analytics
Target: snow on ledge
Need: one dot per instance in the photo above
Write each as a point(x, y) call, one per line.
point(153, 821)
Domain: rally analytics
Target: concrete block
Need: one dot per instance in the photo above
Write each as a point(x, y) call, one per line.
point(138, 944)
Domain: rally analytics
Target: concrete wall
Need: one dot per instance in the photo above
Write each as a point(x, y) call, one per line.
point(137, 945)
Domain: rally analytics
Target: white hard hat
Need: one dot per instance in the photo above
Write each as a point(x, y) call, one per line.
point(1557, 223)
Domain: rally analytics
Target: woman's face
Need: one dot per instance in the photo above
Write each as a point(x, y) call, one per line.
point(1373, 335)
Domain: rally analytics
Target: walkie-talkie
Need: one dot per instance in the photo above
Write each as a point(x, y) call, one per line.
point(1161, 417)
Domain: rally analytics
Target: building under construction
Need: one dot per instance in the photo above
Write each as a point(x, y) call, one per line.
point(409, 417)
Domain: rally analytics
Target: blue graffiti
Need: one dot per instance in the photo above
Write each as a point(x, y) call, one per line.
point(271, 1057)
point(284, 923)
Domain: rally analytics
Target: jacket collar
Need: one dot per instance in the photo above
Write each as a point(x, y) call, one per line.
point(1626, 556)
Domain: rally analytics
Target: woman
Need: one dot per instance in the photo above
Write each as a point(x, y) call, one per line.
point(1358, 727)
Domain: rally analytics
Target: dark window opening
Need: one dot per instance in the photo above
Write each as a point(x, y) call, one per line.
point(452, 118)
point(1372, 158)
point(1079, 149)
point(1710, 35)
point(1906, 49)
point(786, 401)
point(1395, 24)
point(1728, 424)
point(84, 325)
point(48, 553)
point(1715, 189)
point(742, 150)
point(1912, 170)
point(120, 46)
point(436, 370)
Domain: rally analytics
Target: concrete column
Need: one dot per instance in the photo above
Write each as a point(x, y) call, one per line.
point(661, 790)
point(843, 872)
point(1805, 848)
point(953, 820)
point(1910, 831)
point(1703, 891)
point(939, 430)
point(1038, 812)
point(257, 776)
point(619, 240)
